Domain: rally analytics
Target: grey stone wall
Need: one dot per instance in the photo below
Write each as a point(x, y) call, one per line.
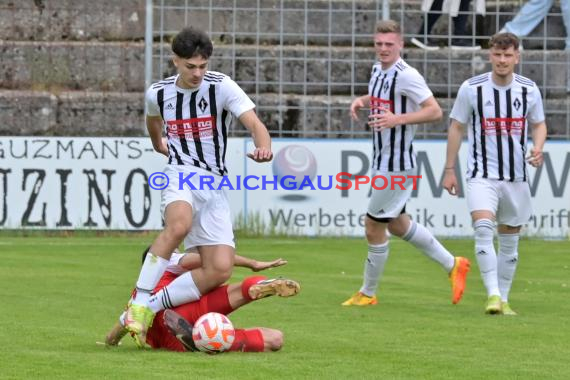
point(77, 67)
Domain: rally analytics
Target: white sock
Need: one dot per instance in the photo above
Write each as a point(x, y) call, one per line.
point(374, 267)
point(507, 262)
point(180, 291)
point(153, 268)
point(486, 256)
point(422, 239)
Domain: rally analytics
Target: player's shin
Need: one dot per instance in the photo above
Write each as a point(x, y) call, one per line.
point(153, 268)
point(180, 291)
point(421, 238)
point(507, 263)
point(486, 255)
point(374, 267)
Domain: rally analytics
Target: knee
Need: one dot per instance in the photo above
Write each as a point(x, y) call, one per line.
point(375, 232)
point(484, 229)
point(219, 273)
point(399, 226)
point(178, 229)
point(397, 229)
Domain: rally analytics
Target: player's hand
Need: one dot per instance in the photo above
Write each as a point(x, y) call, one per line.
point(163, 148)
point(535, 158)
point(262, 265)
point(450, 182)
point(383, 120)
point(261, 155)
point(356, 105)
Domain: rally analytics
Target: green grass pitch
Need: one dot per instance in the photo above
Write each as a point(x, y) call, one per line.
point(61, 294)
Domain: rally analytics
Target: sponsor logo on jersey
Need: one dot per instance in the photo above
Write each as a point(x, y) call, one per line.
point(495, 126)
point(202, 126)
point(377, 105)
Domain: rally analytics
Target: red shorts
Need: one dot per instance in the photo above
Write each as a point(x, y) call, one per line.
point(159, 336)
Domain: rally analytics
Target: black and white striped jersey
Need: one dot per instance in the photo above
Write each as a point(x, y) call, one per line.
point(497, 118)
point(196, 121)
point(400, 89)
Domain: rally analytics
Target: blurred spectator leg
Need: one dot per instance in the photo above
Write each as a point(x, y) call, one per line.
point(529, 16)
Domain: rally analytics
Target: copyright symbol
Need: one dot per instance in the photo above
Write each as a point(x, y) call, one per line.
point(158, 181)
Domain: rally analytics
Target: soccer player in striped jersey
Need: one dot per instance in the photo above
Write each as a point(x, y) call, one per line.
point(398, 99)
point(496, 108)
point(195, 109)
point(172, 329)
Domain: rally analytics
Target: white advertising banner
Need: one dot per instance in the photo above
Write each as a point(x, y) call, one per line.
point(315, 211)
point(83, 183)
point(102, 183)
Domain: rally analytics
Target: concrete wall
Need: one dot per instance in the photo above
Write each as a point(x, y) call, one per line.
point(77, 67)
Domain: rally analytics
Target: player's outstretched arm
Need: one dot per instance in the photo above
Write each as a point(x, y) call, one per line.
point(257, 266)
point(454, 137)
point(539, 132)
point(261, 138)
point(192, 260)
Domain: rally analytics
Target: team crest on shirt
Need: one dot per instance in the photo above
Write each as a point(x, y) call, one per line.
point(203, 104)
point(517, 104)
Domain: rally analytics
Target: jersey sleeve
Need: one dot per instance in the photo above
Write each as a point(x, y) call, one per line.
point(462, 109)
point(535, 111)
point(236, 100)
point(151, 103)
point(415, 87)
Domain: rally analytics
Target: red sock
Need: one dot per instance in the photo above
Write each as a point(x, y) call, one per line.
point(247, 283)
point(248, 341)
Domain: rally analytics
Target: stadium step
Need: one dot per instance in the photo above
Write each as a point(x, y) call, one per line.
point(301, 22)
point(119, 67)
point(88, 113)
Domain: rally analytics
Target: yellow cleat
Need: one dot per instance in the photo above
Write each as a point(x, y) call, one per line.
point(137, 322)
point(506, 309)
point(360, 299)
point(458, 277)
point(494, 305)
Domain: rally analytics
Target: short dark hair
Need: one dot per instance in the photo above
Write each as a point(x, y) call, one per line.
point(504, 41)
point(388, 26)
point(190, 42)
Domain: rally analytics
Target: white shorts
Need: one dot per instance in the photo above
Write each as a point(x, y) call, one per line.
point(388, 203)
point(508, 201)
point(211, 216)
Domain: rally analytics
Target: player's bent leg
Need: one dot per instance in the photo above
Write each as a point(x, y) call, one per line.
point(421, 238)
point(178, 221)
point(177, 224)
point(217, 266)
